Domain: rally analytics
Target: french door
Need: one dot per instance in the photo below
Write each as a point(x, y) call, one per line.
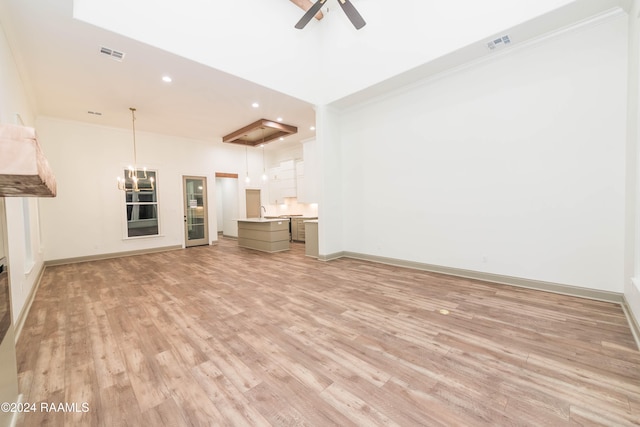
point(196, 230)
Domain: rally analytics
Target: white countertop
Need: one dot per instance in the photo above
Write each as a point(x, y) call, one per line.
point(262, 219)
point(313, 221)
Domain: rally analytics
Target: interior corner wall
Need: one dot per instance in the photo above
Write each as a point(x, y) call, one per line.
point(87, 218)
point(14, 101)
point(632, 252)
point(514, 165)
point(331, 185)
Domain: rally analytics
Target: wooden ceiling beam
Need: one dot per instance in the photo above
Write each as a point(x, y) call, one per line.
point(260, 132)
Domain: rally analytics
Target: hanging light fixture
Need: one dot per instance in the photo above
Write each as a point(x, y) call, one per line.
point(136, 179)
point(246, 158)
point(264, 171)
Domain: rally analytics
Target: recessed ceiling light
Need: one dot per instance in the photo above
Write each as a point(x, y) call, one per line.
point(167, 79)
point(255, 105)
point(312, 128)
point(281, 139)
point(279, 119)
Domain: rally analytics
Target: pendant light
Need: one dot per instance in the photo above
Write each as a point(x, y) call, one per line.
point(246, 157)
point(136, 179)
point(264, 171)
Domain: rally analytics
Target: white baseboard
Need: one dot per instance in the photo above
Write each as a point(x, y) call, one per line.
point(27, 305)
point(595, 294)
point(633, 322)
point(111, 255)
point(539, 285)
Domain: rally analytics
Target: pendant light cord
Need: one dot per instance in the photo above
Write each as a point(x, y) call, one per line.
point(133, 125)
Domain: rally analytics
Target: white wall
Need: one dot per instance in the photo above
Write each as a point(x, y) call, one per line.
point(88, 216)
point(395, 39)
point(22, 275)
point(512, 166)
point(332, 209)
point(632, 258)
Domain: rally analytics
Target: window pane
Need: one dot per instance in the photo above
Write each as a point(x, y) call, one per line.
point(142, 220)
point(146, 186)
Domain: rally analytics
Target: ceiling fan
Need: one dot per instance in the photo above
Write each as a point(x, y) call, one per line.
point(346, 5)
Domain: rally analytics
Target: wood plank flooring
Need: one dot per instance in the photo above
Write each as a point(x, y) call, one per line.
point(225, 336)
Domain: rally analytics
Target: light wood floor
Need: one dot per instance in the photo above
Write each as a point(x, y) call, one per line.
point(229, 337)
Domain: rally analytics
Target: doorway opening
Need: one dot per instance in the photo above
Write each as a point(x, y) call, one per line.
point(254, 208)
point(227, 202)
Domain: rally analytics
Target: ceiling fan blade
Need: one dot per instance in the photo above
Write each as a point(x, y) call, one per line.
point(352, 14)
point(310, 14)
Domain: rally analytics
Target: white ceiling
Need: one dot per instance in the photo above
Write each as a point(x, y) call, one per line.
point(224, 55)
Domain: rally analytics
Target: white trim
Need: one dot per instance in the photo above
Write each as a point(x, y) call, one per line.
point(539, 285)
point(64, 261)
point(123, 208)
point(28, 267)
point(16, 415)
point(633, 323)
point(575, 291)
point(22, 316)
point(150, 236)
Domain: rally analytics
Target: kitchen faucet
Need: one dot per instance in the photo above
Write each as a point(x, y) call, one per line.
point(265, 210)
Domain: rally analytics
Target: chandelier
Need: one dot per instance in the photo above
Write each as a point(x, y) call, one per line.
point(136, 179)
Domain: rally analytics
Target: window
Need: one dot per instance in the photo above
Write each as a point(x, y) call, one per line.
point(142, 205)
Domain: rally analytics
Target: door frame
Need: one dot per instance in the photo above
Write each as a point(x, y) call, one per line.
point(185, 203)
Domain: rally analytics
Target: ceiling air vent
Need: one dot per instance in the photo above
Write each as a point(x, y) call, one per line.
point(498, 42)
point(113, 54)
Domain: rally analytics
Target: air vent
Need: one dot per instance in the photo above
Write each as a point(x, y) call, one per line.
point(498, 42)
point(113, 54)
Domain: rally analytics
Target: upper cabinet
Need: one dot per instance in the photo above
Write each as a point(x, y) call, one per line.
point(308, 177)
point(282, 182)
point(296, 178)
point(300, 182)
point(287, 179)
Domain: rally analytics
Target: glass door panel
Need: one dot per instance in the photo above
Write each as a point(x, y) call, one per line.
point(195, 211)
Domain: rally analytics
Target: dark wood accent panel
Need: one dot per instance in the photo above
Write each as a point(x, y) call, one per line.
point(226, 175)
point(260, 132)
point(221, 335)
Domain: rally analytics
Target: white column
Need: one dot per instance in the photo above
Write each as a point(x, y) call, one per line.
point(330, 206)
point(632, 213)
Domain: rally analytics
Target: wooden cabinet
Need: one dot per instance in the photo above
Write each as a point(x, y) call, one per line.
point(275, 195)
point(311, 239)
point(309, 176)
point(287, 179)
point(301, 187)
point(298, 233)
point(264, 235)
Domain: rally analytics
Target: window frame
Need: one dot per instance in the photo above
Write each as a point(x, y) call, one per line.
point(127, 204)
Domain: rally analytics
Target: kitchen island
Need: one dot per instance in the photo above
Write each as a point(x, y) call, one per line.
point(264, 234)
